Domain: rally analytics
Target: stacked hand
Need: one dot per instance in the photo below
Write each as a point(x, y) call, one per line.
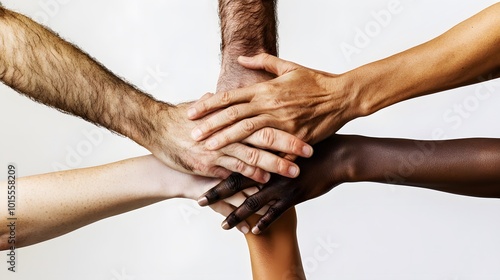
point(309, 104)
point(330, 166)
point(188, 156)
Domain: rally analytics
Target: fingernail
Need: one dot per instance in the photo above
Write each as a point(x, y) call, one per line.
point(191, 112)
point(293, 171)
point(225, 225)
point(203, 201)
point(245, 230)
point(256, 230)
point(196, 134)
point(212, 143)
point(308, 151)
point(267, 177)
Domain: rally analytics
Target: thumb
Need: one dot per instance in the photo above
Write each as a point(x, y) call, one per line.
point(269, 63)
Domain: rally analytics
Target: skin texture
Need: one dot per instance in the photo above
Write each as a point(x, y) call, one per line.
point(438, 165)
point(39, 64)
point(83, 196)
point(274, 255)
point(313, 105)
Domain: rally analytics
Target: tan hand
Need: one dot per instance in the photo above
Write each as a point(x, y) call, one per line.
point(309, 104)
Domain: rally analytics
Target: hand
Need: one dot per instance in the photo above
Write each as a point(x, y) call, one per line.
point(191, 187)
point(173, 145)
point(330, 166)
point(309, 104)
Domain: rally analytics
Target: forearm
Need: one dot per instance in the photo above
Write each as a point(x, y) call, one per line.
point(54, 204)
point(248, 28)
point(466, 54)
point(275, 254)
point(465, 166)
point(36, 62)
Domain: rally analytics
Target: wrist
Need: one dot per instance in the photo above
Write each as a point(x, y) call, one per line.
point(233, 75)
point(356, 86)
point(156, 116)
point(346, 162)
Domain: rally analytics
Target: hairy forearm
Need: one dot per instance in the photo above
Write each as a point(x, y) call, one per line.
point(36, 62)
point(466, 54)
point(275, 253)
point(57, 203)
point(248, 27)
point(465, 166)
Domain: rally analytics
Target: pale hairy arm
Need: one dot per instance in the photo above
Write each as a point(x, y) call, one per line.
point(39, 64)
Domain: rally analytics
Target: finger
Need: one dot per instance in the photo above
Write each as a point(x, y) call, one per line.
point(238, 199)
point(271, 215)
point(290, 157)
point(248, 208)
point(233, 184)
point(206, 96)
point(225, 118)
point(217, 172)
point(250, 171)
point(263, 160)
point(225, 209)
point(237, 132)
point(276, 140)
point(268, 63)
point(220, 100)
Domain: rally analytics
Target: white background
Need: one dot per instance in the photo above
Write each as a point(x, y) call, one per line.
point(380, 231)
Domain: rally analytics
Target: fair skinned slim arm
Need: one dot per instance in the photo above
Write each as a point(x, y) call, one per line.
point(75, 198)
point(313, 105)
point(83, 196)
point(39, 64)
point(464, 166)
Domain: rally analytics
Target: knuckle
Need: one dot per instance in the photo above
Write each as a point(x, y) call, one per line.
point(252, 204)
point(232, 113)
point(202, 107)
point(293, 144)
point(252, 156)
point(234, 183)
point(240, 166)
point(248, 126)
point(268, 137)
point(232, 220)
point(272, 214)
point(213, 195)
point(282, 166)
point(225, 98)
